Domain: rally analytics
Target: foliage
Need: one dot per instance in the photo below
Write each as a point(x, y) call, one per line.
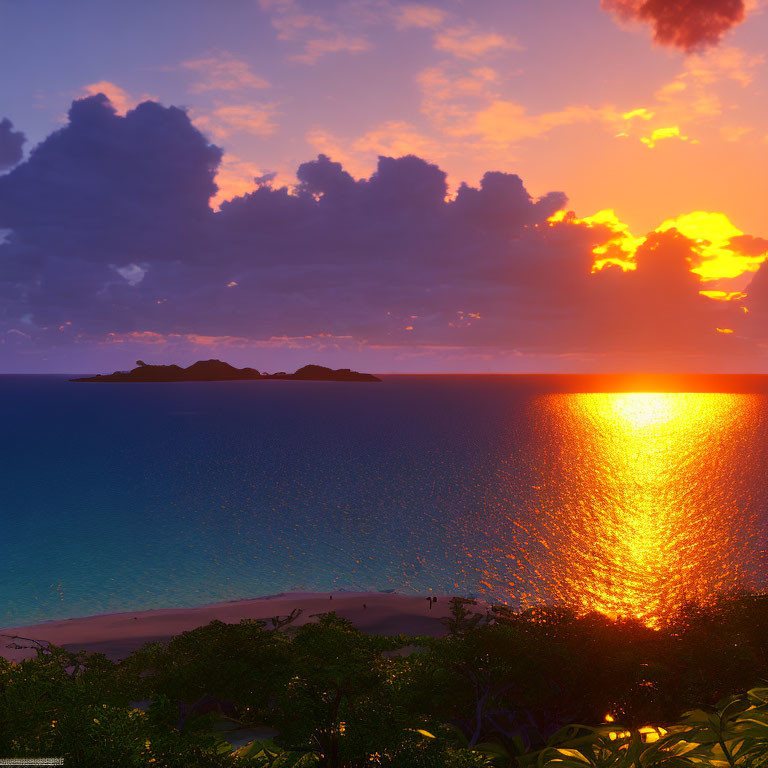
point(732, 734)
point(502, 688)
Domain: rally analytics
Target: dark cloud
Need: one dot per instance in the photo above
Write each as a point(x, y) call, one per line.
point(112, 189)
point(685, 24)
point(749, 245)
point(11, 143)
point(112, 238)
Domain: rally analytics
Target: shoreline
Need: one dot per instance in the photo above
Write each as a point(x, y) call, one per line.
point(117, 635)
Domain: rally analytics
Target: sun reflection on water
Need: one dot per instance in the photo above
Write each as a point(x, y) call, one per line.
point(641, 409)
point(638, 503)
point(648, 546)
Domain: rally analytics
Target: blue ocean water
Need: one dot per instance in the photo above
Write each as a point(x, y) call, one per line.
point(124, 497)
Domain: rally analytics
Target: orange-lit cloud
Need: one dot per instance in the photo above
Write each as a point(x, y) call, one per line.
point(467, 104)
point(120, 99)
point(317, 34)
point(420, 16)
point(325, 143)
point(659, 134)
point(450, 98)
point(724, 295)
point(397, 138)
point(695, 93)
point(340, 43)
point(466, 43)
point(503, 123)
point(642, 113)
point(224, 120)
point(729, 63)
point(136, 337)
point(223, 73)
point(734, 133)
point(201, 340)
point(234, 177)
point(391, 139)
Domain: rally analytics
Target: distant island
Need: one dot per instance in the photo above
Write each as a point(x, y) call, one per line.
point(216, 370)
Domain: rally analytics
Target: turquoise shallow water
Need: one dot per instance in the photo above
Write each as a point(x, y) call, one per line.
point(123, 497)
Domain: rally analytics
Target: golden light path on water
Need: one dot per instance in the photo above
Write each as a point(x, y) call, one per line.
point(651, 550)
point(637, 505)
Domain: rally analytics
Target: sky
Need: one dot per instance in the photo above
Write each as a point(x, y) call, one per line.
point(458, 186)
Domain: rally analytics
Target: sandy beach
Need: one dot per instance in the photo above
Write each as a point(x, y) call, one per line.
point(119, 634)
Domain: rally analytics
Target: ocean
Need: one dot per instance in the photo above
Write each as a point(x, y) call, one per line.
point(117, 497)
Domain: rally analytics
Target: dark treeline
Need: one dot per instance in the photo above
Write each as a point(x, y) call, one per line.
point(499, 689)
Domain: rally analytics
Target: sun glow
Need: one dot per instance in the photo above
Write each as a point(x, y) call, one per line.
point(641, 409)
point(724, 295)
point(620, 247)
point(712, 236)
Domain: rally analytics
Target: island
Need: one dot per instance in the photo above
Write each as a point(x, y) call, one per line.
point(216, 370)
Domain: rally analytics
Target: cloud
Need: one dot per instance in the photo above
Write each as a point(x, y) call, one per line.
point(291, 21)
point(104, 190)
point(661, 134)
point(316, 48)
point(223, 73)
point(694, 92)
point(326, 143)
point(470, 103)
point(133, 274)
point(685, 24)
point(226, 119)
point(466, 43)
point(450, 97)
point(719, 251)
point(700, 92)
point(722, 64)
point(11, 144)
point(119, 98)
point(749, 245)
point(705, 88)
point(419, 16)
point(113, 241)
point(504, 123)
point(466, 106)
point(318, 35)
point(734, 133)
point(236, 177)
point(397, 138)
point(452, 36)
point(641, 114)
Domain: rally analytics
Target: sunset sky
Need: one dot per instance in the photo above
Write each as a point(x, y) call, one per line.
point(462, 186)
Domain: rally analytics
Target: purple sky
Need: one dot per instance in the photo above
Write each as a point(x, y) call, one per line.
point(370, 183)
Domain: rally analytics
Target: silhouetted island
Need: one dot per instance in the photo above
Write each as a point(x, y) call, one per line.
point(216, 370)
